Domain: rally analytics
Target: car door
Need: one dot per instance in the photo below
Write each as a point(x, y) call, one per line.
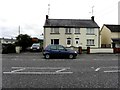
point(54, 51)
point(62, 51)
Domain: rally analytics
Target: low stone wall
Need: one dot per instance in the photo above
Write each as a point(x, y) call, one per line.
point(101, 50)
point(96, 50)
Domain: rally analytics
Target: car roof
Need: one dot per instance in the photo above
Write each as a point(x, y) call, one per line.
point(35, 44)
point(52, 45)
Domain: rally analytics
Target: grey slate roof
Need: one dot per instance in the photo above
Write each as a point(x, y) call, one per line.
point(81, 23)
point(116, 39)
point(113, 28)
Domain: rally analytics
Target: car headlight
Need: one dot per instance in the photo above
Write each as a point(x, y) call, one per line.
point(30, 47)
point(38, 48)
point(75, 51)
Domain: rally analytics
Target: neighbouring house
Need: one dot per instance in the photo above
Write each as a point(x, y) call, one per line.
point(110, 36)
point(7, 45)
point(7, 40)
point(72, 32)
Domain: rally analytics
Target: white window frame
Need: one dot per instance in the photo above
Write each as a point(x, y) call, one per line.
point(68, 39)
point(90, 42)
point(53, 41)
point(68, 30)
point(54, 30)
point(77, 40)
point(90, 31)
point(77, 30)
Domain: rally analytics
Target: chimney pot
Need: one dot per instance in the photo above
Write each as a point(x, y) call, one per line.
point(47, 16)
point(92, 18)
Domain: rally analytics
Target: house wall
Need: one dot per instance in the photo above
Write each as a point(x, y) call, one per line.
point(105, 36)
point(63, 37)
point(115, 35)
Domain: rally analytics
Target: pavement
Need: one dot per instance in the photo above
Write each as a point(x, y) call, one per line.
point(31, 70)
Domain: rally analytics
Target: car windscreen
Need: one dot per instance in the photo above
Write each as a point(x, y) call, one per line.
point(36, 45)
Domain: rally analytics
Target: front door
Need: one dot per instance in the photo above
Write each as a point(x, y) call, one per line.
point(55, 41)
point(62, 51)
point(113, 45)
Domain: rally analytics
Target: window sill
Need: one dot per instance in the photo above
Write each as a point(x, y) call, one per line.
point(90, 45)
point(89, 34)
point(77, 33)
point(54, 33)
point(68, 33)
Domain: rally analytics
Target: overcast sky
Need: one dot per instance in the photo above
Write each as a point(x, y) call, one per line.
point(30, 14)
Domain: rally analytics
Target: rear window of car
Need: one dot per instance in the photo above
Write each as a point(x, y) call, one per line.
point(36, 45)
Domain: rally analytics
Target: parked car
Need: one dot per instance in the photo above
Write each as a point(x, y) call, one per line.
point(35, 47)
point(58, 51)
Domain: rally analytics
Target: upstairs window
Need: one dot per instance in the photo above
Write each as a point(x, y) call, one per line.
point(68, 30)
point(77, 30)
point(90, 31)
point(55, 30)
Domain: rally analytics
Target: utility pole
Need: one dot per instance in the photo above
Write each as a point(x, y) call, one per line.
point(49, 8)
point(19, 30)
point(92, 10)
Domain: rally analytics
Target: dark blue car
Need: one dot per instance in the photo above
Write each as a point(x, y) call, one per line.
point(58, 51)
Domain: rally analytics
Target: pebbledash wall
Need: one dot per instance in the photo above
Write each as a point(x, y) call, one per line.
point(62, 36)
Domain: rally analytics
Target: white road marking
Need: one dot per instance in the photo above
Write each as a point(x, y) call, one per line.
point(107, 71)
point(36, 68)
point(61, 70)
point(37, 72)
point(41, 67)
point(18, 70)
point(114, 59)
point(112, 71)
point(97, 69)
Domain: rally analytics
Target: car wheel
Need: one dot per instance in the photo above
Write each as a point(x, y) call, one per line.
point(47, 56)
point(71, 56)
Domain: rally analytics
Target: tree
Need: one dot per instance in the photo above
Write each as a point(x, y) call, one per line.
point(24, 41)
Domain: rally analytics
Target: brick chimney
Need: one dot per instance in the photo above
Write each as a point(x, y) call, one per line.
point(92, 18)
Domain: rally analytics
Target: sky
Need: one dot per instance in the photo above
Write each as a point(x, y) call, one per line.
point(30, 14)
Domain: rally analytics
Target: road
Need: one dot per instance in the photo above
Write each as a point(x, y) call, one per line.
point(31, 70)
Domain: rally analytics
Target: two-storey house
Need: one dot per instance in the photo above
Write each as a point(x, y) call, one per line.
point(71, 32)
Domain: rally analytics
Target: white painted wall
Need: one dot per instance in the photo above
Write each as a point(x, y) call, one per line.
point(105, 38)
point(63, 37)
point(101, 50)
